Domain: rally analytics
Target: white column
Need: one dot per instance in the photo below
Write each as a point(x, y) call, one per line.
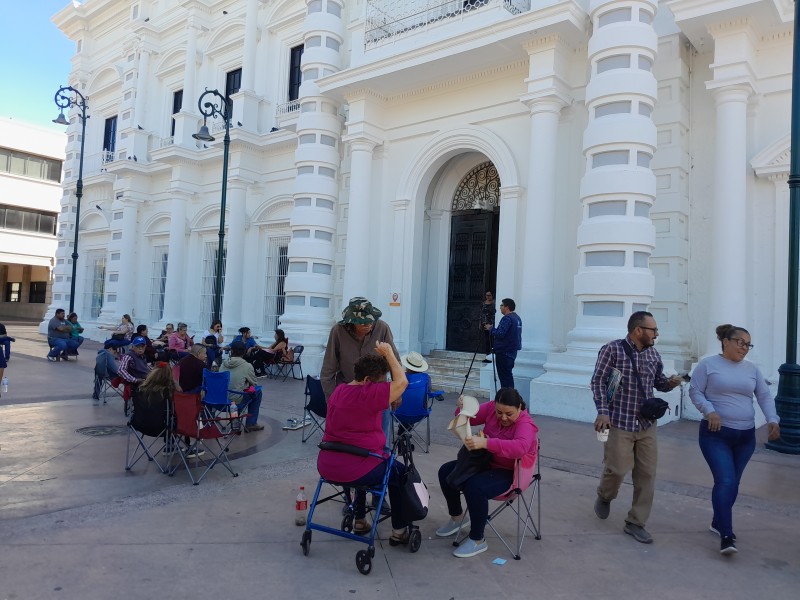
point(190, 70)
point(128, 272)
point(536, 302)
point(142, 83)
point(357, 261)
point(250, 31)
point(234, 264)
point(508, 256)
point(402, 261)
point(729, 218)
point(173, 290)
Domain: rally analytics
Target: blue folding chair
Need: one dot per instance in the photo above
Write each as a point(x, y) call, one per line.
point(416, 408)
point(215, 394)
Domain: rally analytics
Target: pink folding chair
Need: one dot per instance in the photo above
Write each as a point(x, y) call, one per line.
point(526, 477)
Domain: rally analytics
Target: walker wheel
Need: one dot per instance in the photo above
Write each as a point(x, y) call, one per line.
point(363, 562)
point(347, 523)
point(306, 542)
point(414, 540)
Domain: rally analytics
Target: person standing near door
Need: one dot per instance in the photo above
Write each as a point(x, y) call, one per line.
point(488, 311)
point(507, 341)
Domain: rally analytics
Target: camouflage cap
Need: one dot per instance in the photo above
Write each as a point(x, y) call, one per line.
point(360, 312)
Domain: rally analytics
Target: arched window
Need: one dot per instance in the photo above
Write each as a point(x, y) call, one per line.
point(480, 189)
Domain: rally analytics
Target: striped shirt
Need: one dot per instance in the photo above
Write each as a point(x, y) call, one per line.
point(623, 409)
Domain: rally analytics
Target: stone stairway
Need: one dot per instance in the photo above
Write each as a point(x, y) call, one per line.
point(447, 370)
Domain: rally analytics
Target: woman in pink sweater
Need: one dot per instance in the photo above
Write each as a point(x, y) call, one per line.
point(509, 433)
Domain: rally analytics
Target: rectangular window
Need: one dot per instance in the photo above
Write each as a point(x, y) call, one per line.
point(29, 165)
point(37, 292)
point(208, 282)
point(12, 291)
point(177, 102)
point(295, 74)
point(95, 282)
point(158, 282)
point(233, 82)
point(277, 266)
point(110, 135)
point(27, 220)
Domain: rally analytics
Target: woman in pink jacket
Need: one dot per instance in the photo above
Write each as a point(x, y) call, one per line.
point(509, 433)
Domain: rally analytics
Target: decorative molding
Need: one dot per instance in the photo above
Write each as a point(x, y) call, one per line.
point(773, 161)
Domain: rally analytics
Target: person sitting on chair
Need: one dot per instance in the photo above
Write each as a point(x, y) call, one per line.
point(123, 331)
point(77, 330)
point(355, 417)
point(243, 379)
point(262, 358)
point(509, 433)
point(133, 367)
point(212, 339)
point(416, 368)
point(163, 337)
point(179, 343)
point(59, 332)
point(190, 368)
point(150, 352)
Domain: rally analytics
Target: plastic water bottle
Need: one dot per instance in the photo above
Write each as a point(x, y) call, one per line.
point(300, 507)
point(234, 412)
point(5, 383)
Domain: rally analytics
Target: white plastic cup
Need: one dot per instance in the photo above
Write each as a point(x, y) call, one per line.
point(602, 436)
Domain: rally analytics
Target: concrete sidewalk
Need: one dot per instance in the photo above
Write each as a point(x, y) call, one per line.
point(75, 525)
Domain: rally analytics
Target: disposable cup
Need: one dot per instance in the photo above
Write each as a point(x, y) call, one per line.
point(602, 436)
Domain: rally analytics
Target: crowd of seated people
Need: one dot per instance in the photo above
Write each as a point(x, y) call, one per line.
point(212, 339)
point(179, 342)
point(59, 337)
point(261, 358)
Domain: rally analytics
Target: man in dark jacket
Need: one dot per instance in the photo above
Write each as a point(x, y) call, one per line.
point(507, 341)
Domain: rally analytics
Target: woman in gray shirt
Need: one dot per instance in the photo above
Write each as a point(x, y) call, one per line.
point(722, 389)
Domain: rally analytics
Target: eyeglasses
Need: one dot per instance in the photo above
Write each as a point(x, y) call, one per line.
point(741, 343)
point(653, 329)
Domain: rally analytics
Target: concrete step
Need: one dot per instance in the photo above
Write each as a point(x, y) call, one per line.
point(448, 369)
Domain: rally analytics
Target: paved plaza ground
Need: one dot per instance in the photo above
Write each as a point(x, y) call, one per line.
point(75, 525)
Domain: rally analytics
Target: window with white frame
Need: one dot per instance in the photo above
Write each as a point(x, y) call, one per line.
point(158, 282)
point(277, 266)
point(207, 289)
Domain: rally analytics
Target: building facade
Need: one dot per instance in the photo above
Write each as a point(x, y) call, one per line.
point(30, 200)
point(587, 159)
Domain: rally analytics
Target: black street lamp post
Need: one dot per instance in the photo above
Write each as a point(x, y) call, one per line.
point(787, 402)
point(217, 105)
point(65, 101)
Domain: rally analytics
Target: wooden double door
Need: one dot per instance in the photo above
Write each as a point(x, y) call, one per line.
point(473, 270)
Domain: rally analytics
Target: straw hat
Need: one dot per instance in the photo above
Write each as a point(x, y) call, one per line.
point(413, 361)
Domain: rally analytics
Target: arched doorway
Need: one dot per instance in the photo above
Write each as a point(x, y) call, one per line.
point(475, 212)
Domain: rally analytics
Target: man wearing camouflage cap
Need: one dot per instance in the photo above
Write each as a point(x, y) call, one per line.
point(350, 339)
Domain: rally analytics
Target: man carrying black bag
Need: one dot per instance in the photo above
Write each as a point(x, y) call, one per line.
point(632, 440)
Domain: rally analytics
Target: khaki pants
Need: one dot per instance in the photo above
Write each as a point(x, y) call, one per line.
point(626, 450)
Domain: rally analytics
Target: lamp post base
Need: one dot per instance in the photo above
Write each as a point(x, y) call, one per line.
point(787, 404)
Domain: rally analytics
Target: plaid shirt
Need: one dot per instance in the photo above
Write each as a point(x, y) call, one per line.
point(624, 407)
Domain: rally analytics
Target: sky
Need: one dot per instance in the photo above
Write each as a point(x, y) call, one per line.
point(37, 61)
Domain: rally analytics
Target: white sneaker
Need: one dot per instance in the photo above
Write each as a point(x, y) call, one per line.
point(470, 548)
point(452, 527)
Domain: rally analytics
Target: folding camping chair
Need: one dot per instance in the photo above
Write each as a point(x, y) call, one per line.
point(526, 476)
point(216, 393)
point(416, 408)
point(193, 421)
point(104, 385)
point(151, 418)
point(286, 367)
point(316, 408)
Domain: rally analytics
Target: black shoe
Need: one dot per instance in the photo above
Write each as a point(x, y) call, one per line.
point(713, 529)
point(602, 508)
point(727, 546)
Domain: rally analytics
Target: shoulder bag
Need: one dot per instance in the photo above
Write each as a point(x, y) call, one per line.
point(650, 408)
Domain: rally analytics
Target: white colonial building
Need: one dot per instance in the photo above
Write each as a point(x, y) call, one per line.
point(30, 192)
point(586, 158)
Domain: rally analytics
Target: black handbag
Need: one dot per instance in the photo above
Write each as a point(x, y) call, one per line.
point(468, 463)
point(651, 408)
point(118, 336)
point(414, 495)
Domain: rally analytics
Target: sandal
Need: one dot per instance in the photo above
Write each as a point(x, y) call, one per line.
point(398, 539)
point(361, 527)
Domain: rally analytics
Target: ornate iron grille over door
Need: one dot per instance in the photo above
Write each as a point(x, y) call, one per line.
point(473, 255)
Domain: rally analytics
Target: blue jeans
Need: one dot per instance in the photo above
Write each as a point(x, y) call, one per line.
point(251, 404)
point(478, 490)
point(727, 452)
point(504, 362)
point(60, 345)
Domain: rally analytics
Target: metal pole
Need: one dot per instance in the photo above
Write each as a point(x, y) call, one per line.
point(787, 402)
point(63, 101)
point(210, 109)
